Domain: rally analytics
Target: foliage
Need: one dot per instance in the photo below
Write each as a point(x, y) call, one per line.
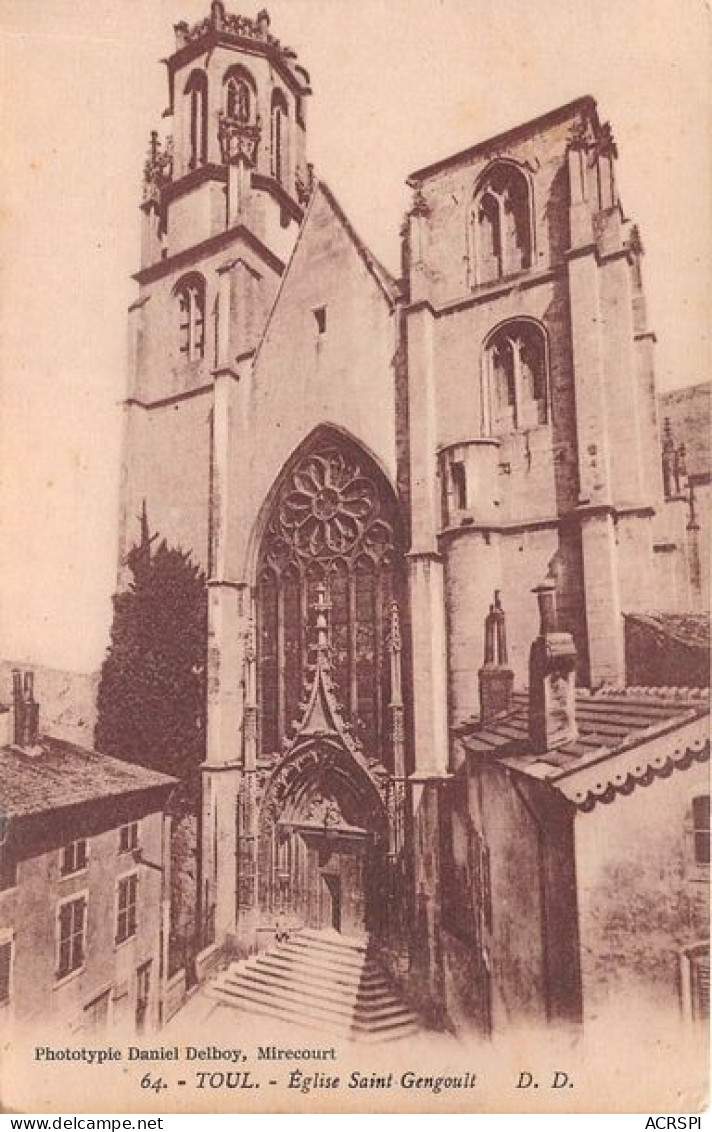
point(151, 702)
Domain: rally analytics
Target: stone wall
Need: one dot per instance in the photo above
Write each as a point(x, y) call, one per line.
point(642, 898)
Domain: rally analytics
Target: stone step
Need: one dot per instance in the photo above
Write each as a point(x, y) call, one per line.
point(355, 945)
point(367, 989)
point(329, 959)
point(321, 981)
point(256, 1002)
point(308, 964)
point(343, 1005)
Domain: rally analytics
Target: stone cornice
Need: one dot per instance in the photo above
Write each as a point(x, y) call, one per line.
point(173, 399)
point(193, 255)
point(520, 526)
point(485, 293)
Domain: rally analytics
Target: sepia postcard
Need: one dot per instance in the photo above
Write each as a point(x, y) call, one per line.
point(354, 580)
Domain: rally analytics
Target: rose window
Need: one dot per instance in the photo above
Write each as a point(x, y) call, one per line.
point(329, 506)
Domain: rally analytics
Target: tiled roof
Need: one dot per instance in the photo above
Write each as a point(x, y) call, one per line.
point(66, 775)
point(626, 738)
point(690, 629)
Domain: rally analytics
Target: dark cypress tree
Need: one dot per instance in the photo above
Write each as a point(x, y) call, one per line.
point(151, 704)
point(151, 700)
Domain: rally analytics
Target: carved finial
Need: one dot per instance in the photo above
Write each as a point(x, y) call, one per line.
point(396, 640)
point(420, 206)
point(579, 136)
point(635, 242)
point(606, 143)
point(250, 646)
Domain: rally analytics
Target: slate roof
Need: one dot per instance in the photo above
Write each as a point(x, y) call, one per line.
point(66, 775)
point(626, 738)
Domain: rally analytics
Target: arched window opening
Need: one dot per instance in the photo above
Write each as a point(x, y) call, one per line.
point(280, 138)
point(502, 224)
point(240, 100)
point(516, 391)
point(197, 93)
point(490, 233)
point(191, 313)
point(333, 523)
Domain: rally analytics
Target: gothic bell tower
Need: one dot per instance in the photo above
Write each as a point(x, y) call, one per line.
point(223, 199)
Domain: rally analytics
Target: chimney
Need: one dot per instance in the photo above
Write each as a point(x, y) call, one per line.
point(552, 677)
point(495, 677)
point(26, 711)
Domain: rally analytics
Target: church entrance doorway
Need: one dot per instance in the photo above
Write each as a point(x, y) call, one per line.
point(333, 893)
point(329, 887)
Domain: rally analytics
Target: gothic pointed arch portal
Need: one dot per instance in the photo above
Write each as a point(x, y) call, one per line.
point(334, 521)
point(323, 842)
point(320, 823)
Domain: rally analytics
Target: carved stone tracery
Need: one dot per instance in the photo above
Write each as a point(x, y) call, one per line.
point(329, 507)
point(239, 140)
point(333, 523)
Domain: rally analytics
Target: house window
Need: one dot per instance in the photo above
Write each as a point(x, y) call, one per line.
point(126, 908)
point(128, 837)
point(72, 917)
point(8, 869)
point(196, 91)
point(6, 949)
point(701, 829)
point(695, 982)
point(73, 858)
point(191, 314)
point(501, 222)
point(516, 386)
point(280, 155)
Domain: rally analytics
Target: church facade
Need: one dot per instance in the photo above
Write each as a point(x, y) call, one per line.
point(360, 462)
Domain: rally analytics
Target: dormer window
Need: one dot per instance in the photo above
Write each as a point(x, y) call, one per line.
point(196, 91)
point(516, 385)
point(190, 295)
point(501, 222)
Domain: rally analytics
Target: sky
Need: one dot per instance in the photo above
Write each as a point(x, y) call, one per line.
point(397, 84)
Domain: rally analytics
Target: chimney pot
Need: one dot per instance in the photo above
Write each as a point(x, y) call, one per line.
point(25, 709)
point(496, 679)
point(552, 678)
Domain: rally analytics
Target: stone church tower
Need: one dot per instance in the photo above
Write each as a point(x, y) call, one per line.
point(359, 462)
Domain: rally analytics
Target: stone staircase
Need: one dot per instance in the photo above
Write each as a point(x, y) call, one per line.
point(320, 980)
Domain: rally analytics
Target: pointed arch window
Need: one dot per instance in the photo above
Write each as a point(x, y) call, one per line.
point(280, 138)
point(334, 523)
point(240, 96)
point(196, 91)
point(190, 296)
point(501, 223)
point(516, 378)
